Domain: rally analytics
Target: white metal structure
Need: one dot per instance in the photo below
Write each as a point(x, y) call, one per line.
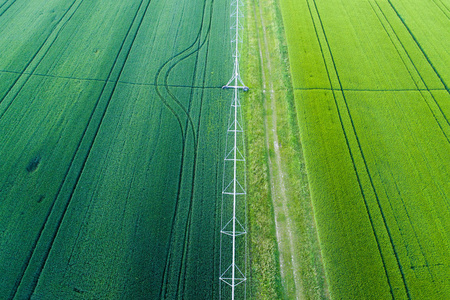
point(233, 241)
point(236, 81)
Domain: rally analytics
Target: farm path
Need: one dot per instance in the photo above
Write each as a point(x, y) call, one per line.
point(286, 238)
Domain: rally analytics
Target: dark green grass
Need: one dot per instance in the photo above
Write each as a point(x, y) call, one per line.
point(111, 172)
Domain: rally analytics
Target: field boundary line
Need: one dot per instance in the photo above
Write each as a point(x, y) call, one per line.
point(218, 86)
point(427, 89)
point(37, 58)
point(111, 81)
point(365, 90)
point(188, 223)
point(165, 276)
point(419, 45)
point(29, 290)
point(386, 227)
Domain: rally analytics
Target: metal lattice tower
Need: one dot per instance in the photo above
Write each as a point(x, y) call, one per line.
point(233, 240)
point(236, 14)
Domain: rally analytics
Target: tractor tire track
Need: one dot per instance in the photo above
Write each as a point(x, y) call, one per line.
point(6, 8)
point(419, 45)
point(333, 90)
point(159, 74)
point(420, 76)
point(445, 12)
point(43, 260)
point(189, 210)
point(26, 75)
point(429, 107)
point(195, 154)
point(386, 227)
point(163, 286)
point(151, 158)
point(411, 223)
point(377, 238)
point(415, 68)
point(3, 4)
point(188, 224)
point(29, 256)
point(188, 218)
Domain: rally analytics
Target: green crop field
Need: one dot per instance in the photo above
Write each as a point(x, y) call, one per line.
point(113, 131)
point(112, 125)
point(371, 81)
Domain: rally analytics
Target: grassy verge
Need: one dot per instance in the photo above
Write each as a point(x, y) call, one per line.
point(279, 201)
point(265, 279)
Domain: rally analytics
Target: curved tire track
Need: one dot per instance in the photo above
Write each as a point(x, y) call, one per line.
point(189, 122)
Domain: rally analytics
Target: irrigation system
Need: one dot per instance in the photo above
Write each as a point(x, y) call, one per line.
point(233, 237)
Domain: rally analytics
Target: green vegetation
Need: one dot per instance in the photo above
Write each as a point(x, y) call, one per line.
point(111, 143)
point(372, 99)
point(112, 136)
point(279, 202)
point(265, 280)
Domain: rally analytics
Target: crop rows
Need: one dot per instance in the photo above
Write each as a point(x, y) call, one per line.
point(373, 107)
point(111, 129)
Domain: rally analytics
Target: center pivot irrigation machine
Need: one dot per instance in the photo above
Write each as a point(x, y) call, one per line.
point(233, 233)
point(236, 81)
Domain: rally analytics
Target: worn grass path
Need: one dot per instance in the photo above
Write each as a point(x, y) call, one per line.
point(270, 104)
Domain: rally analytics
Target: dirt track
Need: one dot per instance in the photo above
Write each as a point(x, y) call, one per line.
point(289, 264)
